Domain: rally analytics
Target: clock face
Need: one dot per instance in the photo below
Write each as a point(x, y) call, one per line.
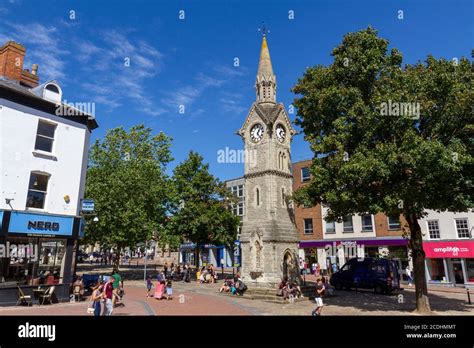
point(280, 133)
point(256, 133)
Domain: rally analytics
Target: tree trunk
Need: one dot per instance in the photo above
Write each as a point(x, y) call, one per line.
point(418, 256)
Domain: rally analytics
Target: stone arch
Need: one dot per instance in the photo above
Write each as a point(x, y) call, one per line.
point(290, 269)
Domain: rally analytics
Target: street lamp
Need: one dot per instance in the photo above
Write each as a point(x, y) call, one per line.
point(96, 219)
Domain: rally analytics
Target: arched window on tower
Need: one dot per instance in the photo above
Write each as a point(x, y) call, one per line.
point(257, 196)
point(283, 202)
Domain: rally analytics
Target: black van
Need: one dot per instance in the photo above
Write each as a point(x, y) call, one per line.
point(368, 273)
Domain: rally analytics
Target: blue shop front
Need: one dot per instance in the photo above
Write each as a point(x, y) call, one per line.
point(37, 248)
point(217, 255)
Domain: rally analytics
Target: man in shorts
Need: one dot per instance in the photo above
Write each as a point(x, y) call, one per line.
point(318, 298)
point(117, 284)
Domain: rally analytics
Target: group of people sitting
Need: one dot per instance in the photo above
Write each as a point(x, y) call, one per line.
point(46, 278)
point(163, 288)
point(207, 274)
point(289, 289)
point(236, 286)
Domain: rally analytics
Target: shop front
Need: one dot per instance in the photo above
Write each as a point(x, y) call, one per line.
point(37, 249)
point(205, 254)
point(331, 255)
point(450, 262)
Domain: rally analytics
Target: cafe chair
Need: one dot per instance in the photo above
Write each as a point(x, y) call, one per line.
point(47, 296)
point(23, 299)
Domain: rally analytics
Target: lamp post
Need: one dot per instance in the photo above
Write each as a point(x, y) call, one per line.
point(144, 271)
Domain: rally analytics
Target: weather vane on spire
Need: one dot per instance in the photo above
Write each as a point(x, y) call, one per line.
point(263, 29)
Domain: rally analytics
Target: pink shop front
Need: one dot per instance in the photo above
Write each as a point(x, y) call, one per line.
point(450, 262)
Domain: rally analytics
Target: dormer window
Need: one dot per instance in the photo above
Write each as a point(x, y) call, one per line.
point(52, 92)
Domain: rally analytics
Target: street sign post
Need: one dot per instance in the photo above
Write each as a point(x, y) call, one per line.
point(87, 206)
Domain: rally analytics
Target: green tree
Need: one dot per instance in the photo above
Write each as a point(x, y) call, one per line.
point(201, 202)
point(388, 138)
point(127, 180)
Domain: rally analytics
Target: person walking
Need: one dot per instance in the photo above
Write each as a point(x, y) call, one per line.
point(149, 285)
point(318, 298)
point(96, 298)
point(108, 296)
point(409, 275)
point(118, 286)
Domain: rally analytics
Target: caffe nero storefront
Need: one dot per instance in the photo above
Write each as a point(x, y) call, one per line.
point(37, 250)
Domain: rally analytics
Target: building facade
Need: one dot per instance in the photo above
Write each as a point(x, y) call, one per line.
point(449, 247)
point(364, 235)
point(44, 147)
point(448, 241)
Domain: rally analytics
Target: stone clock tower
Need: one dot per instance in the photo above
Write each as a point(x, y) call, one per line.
point(269, 238)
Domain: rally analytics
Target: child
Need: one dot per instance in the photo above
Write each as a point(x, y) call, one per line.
point(169, 290)
point(149, 285)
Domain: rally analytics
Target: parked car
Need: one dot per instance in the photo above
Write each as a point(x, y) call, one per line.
point(382, 275)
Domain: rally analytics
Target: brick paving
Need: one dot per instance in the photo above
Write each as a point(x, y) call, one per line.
point(203, 299)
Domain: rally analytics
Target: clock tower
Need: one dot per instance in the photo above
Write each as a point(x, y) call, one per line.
point(269, 238)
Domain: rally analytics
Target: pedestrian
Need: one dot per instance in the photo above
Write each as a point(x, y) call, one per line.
point(409, 275)
point(118, 286)
point(91, 258)
point(108, 296)
point(169, 290)
point(149, 285)
point(165, 269)
point(318, 298)
point(313, 268)
point(96, 298)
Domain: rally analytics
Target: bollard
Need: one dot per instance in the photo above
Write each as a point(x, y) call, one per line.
point(468, 296)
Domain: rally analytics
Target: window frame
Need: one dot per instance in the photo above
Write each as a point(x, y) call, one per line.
point(326, 227)
point(363, 226)
point(52, 139)
point(467, 226)
point(45, 193)
point(393, 228)
point(305, 229)
point(344, 228)
point(430, 232)
point(305, 178)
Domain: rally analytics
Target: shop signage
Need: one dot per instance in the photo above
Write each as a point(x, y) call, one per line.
point(1, 219)
point(454, 249)
point(40, 224)
point(43, 225)
point(87, 205)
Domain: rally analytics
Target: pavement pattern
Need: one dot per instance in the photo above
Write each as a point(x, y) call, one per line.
point(203, 299)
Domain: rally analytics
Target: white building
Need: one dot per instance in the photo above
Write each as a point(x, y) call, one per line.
point(449, 247)
point(44, 147)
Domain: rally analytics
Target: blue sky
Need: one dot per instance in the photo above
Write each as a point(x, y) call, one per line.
point(190, 62)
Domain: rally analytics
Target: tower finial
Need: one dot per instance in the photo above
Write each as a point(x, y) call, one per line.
point(263, 29)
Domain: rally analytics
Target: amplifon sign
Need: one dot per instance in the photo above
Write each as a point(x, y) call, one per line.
point(455, 249)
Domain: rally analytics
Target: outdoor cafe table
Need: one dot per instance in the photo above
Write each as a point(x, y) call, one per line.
point(37, 294)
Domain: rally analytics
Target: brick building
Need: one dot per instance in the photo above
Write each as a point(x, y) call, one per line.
point(370, 235)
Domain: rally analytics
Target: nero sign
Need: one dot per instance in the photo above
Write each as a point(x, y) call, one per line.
point(43, 225)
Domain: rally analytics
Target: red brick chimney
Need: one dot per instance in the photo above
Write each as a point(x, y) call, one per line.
point(12, 56)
